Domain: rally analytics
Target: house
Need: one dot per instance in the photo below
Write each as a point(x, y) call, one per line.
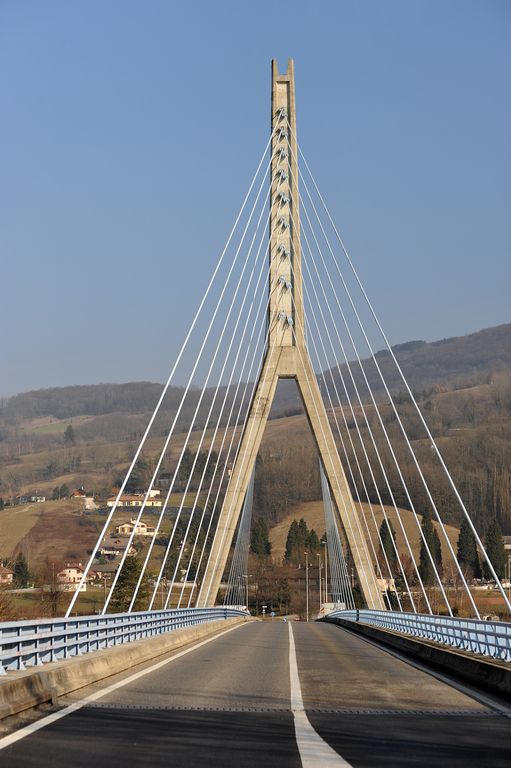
point(113, 547)
point(6, 575)
point(386, 585)
point(137, 499)
point(31, 498)
point(78, 494)
point(139, 529)
point(69, 577)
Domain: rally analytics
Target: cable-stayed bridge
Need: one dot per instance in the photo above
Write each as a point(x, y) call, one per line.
point(284, 302)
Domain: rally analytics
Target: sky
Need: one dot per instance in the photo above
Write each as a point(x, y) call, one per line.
point(130, 131)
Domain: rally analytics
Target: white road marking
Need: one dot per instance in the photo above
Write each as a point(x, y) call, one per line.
point(314, 751)
point(27, 730)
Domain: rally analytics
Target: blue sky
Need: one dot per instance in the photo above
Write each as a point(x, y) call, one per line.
point(130, 131)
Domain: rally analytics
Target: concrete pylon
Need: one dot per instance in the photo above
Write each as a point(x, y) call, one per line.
point(287, 357)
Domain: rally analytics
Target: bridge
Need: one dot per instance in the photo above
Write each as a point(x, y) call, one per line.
point(173, 670)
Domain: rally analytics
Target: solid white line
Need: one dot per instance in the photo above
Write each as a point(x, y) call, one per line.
point(49, 719)
point(314, 751)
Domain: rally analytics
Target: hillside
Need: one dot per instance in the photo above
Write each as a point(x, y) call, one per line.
point(454, 362)
point(470, 418)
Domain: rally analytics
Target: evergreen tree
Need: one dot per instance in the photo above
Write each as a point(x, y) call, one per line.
point(303, 532)
point(125, 587)
point(69, 435)
point(437, 552)
point(387, 545)
point(313, 545)
point(495, 550)
point(21, 576)
point(259, 541)
point(299, 541)
point(426, 571)
point(292, 543)
point(467, 550)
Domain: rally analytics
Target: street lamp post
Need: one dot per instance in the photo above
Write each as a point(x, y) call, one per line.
point(246, 576)
point(324, 543)
point(319, 577)
point(307, 583)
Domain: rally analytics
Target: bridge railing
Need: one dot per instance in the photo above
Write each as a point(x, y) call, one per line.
point(29, 643)
point(488, 638)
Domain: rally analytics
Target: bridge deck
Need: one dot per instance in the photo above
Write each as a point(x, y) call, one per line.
point(228, 703)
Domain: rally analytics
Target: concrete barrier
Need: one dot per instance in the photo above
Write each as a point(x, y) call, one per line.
point(23, 690)
point(491, 675)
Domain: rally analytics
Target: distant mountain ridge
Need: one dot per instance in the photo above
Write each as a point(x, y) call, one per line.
point(464, 360)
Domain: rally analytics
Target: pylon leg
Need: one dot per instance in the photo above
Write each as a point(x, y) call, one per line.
point(287, 362)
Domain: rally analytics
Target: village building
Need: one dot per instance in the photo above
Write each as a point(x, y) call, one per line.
point(6, 575)
point(139, 529)
point(113, 547)
point(69, 577)
point(79, 493)
point(386, 584)
point(137, 499)
point(31, 498)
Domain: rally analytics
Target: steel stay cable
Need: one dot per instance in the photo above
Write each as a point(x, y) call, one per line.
point(353, 448)
point(229, 511)
point(369, 591)
point(165, 388)
point(352, 412)
point(272, 347)
point(234, 582)
point(356, 423)
point(238, 352)
point(410, 393)
point(382, 506)
point(370, 431)
point(433, 443)
point(215, 354)
point(377, 411)
point(239, 349)
point(334, 544)
point(176, 417)
point(241, 432)
point(205, 339)
point(234, 429)
point(343, 444)
point(233, 336)
point(377, 452)
point(369, 537)
point(243, 541)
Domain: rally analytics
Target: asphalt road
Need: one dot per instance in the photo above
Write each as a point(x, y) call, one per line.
point(228, 703)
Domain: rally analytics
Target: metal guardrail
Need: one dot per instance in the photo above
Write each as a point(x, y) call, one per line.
point(29, 643)
point(489, 638)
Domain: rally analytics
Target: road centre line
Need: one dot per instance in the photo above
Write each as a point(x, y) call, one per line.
point(27, 730)
point(314, 751)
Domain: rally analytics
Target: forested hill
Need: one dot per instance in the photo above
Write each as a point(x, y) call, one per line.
point(458, 361)
point(463, 360)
